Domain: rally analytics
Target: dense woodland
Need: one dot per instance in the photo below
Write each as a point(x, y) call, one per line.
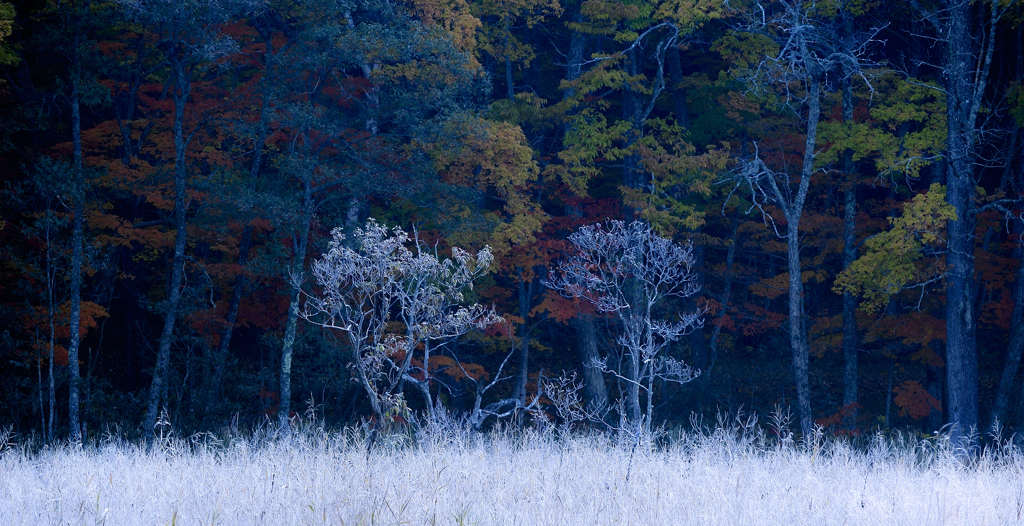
point(844, 175)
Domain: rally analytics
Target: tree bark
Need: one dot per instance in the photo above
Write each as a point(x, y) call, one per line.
point(74, 378)
point(730, 258)
point(797, 325)
point(965, 72)
point(215, 389)
point(526, 293)
point(182, 87)
point(291, 324)
point(595, 390)
point(50, 284)
point(849, 256)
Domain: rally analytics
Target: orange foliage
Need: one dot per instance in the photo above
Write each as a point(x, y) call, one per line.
point(913, 400)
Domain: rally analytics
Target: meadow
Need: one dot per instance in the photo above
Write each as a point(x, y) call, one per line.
point(730, 473)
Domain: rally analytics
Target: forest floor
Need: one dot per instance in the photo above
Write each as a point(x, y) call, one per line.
point(736, 474)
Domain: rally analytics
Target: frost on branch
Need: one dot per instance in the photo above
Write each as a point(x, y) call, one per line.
point(389, 300)
point(627, 270)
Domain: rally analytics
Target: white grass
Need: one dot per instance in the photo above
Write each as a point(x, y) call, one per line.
point(530, 479)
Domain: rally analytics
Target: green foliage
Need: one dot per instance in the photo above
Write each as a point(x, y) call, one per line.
point(892, 259)
point(8, 57)
point(906, 130)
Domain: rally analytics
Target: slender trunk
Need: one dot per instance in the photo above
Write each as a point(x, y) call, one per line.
point(425, 384)
point(633, 413)
point(182, 87)
point(215, 389)
point(298, 264)
point(849, 256)
point(39, 386)
point(649, 416)
point(52, 315)
point(730, 258)
point(797, 325)
point(510, 87)
point(74, 378)
point(124, 105)
point(526, 291)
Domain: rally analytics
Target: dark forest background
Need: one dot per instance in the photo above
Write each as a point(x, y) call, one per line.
point(848, 172)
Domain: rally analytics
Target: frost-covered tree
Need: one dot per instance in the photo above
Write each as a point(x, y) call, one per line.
point(388, 300)
point(627, 270)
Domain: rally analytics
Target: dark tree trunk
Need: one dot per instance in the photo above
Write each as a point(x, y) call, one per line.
point(965, 71)
point(526, 293)
point(291, 324)
point(849, 255)
point(74, 381)
point(215, 389)
point(182, 87)
point(595, 390)
point(730, 258)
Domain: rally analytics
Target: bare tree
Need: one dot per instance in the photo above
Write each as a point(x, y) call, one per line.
point(377, 284)
point(627, 269)
point(812, 56)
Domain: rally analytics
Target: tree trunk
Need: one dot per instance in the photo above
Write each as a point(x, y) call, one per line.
point(526, 292)
point(849, 256)
point(730, 258)
point(797, 325)
point(298, 265)
point(182, 87)
point(595, 390)
point(50, 279)
point(633, 413)
point(965, 73)
point(215, 389)
point(76, 259)
point(509, 86)
point(39, 377)
point(577, 43)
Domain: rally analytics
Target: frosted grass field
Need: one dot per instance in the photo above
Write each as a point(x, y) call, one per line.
point(723, 477)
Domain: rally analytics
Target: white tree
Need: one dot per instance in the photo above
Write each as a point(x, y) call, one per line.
point(388, 300)
point(627, 269)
